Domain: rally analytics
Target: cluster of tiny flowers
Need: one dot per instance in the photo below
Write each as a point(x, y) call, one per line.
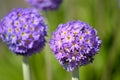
point(44, 4)
point(74, 44)
point(24, 31)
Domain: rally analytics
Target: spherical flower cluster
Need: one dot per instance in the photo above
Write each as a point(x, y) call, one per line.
point(24, 31)
point(75, 44)
point(45, 4)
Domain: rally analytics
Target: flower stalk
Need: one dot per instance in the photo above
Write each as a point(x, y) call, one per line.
point(75, 74)
point(26, 68)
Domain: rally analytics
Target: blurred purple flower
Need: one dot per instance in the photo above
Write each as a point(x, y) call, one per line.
point(75, 44)
point(24, 31)
point(44, 4)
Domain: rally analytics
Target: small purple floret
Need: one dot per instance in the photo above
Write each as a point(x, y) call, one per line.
point(75, 44)
point(45, 4)
point(24, 31)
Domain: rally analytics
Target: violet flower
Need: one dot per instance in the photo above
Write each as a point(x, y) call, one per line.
point(24, 31)
point(75, 44)
point(44, 4)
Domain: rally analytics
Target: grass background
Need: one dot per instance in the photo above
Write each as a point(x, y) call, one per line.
point(103, 15)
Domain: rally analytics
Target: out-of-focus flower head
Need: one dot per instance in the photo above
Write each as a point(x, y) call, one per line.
point(44, 4)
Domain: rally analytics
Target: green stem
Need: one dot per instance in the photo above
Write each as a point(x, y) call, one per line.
point(75, 74)
point(26, 68)
point(47, 51)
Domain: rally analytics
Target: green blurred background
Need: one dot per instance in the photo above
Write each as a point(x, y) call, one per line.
point(103, 15)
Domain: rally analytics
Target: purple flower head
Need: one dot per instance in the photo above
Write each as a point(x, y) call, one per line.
point(24, 31)
point(75, 44)
point(44, 4)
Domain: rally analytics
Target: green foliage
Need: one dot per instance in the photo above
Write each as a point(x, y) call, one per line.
point(101, 14)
